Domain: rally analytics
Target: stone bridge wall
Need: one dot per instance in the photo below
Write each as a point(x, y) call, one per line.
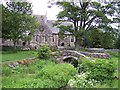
point(64, 54)
point(97, 55)
point(72, 53)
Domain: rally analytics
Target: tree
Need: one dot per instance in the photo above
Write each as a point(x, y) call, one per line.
point(99, 39)
point(84, 17)
point(17, 21)
point(0, 20)
point(117, 43)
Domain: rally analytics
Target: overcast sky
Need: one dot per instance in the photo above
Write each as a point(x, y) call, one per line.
point(40, 7)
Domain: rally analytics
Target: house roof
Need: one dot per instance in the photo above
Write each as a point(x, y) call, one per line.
point(48, 25)
point(54, 29)
point(42, 20)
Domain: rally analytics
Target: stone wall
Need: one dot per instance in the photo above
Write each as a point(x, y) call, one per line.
point(97, 55)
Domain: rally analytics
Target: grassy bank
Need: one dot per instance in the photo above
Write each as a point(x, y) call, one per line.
point(18, 55)
point(46, 73)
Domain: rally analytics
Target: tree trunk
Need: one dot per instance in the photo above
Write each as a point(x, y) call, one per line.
point(77, 43)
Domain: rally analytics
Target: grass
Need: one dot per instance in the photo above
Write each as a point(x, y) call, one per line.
point(30, 76)
point(12, 56)
point(36, 75)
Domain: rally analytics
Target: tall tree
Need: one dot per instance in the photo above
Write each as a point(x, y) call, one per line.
point(0, 20)
point(118, 42)
point(17, 21)
point(84, 17)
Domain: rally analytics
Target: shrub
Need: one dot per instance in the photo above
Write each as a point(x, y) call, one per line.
point(100, 70)
point(39, 64)
point(81, 81)
point(53, 48)
point(59, 74)
point(44, 52)
point(25, 76)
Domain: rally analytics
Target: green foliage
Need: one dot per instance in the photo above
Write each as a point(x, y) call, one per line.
point(117, 43)
point(99, 39)
point(63, 29)
point(107, 43)
point(6, 71)
point(9, 48)
point(82, 15)
point(44, 52)
point(48, 74)
point(53, 48)
point(100, 70)
point(31, 69)
point(59, 73)
point(42, 63)
point(81, 81)
point(27, 38)
point(95, 38)
point(39, 74)
point(17, 20)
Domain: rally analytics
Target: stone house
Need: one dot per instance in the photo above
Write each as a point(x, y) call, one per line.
point(45, 34)
point(48, 34)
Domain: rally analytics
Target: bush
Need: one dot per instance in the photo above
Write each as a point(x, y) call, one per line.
point(39, 64)
point(44, 52)
point(53, 48)
point(81, 81)
point(100, 70)
point(59, 74)
point(25, 76)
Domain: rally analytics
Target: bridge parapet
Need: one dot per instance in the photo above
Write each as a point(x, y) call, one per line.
point(72, 53)
point(68, 54)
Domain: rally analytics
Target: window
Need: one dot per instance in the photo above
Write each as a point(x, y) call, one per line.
point(3, 41)
point(62, 44)
point(45, 39)
point(24, 43)
point(53, 38)
point(37, 38)
point(72, 40)
point(41, 28)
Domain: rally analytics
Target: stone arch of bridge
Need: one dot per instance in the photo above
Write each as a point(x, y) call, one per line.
point(69, 56)
point(71, 59)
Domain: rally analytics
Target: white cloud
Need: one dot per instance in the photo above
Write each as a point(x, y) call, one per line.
point(40, 8)
point(52, 12)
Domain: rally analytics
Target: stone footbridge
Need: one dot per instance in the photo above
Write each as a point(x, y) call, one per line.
point(72, 56)
point(69, 56)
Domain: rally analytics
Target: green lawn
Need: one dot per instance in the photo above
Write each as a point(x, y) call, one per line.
point(42, 73)
point(39, 74)
point(11, 56)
